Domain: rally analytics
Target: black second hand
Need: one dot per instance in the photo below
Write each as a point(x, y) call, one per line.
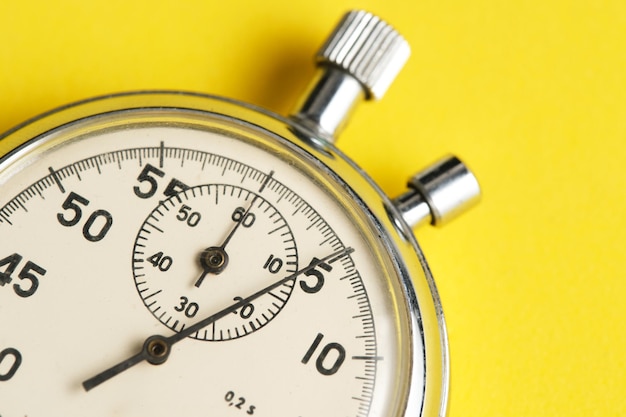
point(167, 342)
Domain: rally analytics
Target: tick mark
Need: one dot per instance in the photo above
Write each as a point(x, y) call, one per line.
point(56, 179)
point(266, 181)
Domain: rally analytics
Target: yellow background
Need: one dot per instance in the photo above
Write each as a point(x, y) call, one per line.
point(531, 93)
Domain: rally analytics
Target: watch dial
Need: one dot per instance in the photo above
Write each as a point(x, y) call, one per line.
point(268, 291)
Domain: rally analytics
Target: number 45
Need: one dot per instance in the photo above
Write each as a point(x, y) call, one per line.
point(27, 273)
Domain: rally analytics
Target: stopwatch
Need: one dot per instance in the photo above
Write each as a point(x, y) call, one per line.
point(167, 253)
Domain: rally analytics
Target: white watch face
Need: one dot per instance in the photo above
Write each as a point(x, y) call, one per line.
point(265, 294)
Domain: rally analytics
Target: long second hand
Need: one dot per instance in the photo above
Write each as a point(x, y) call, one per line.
point(156, 349)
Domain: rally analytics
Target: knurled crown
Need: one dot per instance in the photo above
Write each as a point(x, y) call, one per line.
point(368, 49)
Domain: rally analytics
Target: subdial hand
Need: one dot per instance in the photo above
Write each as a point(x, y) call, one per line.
point(215, 258)
point(156, 349)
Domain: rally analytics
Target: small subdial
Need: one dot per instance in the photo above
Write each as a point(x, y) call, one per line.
point(198, 252)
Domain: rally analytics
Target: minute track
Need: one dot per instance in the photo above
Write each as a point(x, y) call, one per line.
point(230, 222)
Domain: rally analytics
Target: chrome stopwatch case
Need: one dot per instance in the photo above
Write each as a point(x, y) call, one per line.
point(180, 254)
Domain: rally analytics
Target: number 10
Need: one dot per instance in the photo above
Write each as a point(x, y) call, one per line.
point(320, 363)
